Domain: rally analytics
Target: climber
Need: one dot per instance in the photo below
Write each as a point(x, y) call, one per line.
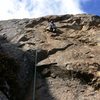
point(4, 36)
point(52, 26)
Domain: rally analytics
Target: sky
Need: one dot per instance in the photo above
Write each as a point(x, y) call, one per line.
point(18, 9)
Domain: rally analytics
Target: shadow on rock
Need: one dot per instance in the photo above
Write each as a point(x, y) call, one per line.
point(17, 72)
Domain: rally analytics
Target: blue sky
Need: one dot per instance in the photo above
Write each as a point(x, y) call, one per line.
point(91, 7)
point(12, 9)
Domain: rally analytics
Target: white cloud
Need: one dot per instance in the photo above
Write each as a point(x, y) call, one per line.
point(70, 6)
point(35, 8)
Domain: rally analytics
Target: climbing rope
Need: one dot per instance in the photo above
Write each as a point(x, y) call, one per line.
point(34, 85)
point(35, 74)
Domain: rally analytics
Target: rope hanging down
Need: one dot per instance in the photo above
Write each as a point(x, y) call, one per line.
point(34, 84)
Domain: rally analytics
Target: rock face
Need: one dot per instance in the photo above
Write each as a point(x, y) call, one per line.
point(68, 61)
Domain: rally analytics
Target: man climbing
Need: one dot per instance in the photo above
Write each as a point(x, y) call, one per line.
point(52, 26)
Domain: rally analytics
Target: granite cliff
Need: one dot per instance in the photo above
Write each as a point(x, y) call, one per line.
point(68, 62)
